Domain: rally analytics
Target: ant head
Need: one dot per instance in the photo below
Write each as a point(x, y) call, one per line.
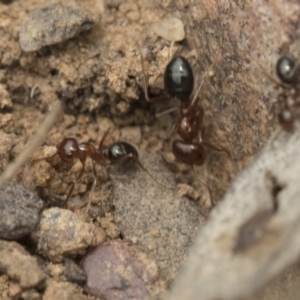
point(68, 149)
point(286, 69)
point(179, 79)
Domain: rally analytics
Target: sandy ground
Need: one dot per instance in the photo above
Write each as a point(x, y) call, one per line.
point(97, 76)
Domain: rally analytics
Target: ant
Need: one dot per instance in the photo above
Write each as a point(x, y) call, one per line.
point(287, 71)
point(179, 84)
point(117, 153)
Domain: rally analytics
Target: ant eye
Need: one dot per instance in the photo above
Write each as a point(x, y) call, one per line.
point(285, 69)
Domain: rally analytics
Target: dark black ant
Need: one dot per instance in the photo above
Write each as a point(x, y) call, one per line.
point(288, 72)
point(179, 84)
point(117, 153)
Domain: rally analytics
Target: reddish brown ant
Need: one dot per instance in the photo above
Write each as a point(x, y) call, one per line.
point(117, 153)
point(179, 84)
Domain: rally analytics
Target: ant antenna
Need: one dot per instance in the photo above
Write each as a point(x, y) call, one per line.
point(266, 73)
point(170, 50)
point(195, 98)
point(145, 170)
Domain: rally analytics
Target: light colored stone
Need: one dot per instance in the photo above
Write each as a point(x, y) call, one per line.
point(170, 29)
point(61, 233)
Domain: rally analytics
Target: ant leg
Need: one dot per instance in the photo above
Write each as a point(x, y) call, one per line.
point(77, 178)
point(44, 158)
point(170, 50)
point(201, 133)
point(206, 185)
point(266, 73)
point(145, 77)
point(196, 98)
point(167, 111)
point(145, 170)
point(163, 156)
point(71, 189)
point(59, 165)
point(93, 187)
point(146, 84)
point(103, 139)
point(173, 127)
point(208, 145)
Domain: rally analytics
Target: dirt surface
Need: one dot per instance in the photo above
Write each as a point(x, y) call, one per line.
point(97, 76)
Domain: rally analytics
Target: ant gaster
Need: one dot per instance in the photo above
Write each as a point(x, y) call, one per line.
point(117, 153)
point(179, 84)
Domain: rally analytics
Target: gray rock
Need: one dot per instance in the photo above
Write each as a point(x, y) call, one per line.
point(51, 25)
point(73, 272)
point(19, 211)
point(117, 270)
point(162, 223)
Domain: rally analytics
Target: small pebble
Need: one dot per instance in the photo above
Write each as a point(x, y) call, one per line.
point(17, 263)
point(51, 25)
point(188, 191)
point(73, 272)
point(170, 29)
point(118, 270)
point(131, 134)
point(19, 211)
point(61, 234)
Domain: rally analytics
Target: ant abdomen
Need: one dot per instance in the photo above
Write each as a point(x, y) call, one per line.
point(121, 152)
point(189, 153)
point(179, 79)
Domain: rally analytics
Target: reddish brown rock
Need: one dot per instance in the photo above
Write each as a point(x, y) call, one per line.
point(117, 270)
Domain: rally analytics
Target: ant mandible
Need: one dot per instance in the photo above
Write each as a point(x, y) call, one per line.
point(179, 84)
point(117, 153)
